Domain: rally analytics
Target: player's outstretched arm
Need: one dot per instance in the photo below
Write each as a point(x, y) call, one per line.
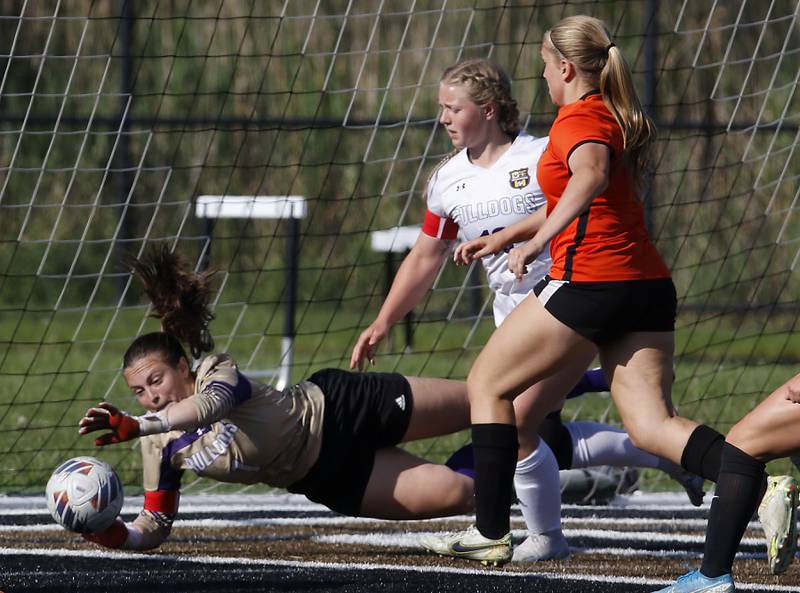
point(523, 230)
point(122, 426)
point(413, 280)
point(149, 530)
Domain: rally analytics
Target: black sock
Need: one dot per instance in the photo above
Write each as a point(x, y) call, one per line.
point(739, 489)
point(553, 432)
point(702, 453)
point(495, 462)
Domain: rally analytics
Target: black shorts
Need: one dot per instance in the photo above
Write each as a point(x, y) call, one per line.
point(364, 412)
point(604, 311)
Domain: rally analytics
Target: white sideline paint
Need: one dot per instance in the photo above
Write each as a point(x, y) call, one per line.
point(409, 539)
point(134, 507)
point(212, 523)
point(341, 520)
point(199, 503)
point(218, 560)
point(196, 503)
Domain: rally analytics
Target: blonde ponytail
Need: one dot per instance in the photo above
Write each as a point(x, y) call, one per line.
point(585, 42)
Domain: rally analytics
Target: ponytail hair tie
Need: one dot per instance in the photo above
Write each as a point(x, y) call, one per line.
point(609, 46)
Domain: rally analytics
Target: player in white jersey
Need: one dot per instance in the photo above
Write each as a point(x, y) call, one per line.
point(489, 184)
point(480, 201)
point(331, 437)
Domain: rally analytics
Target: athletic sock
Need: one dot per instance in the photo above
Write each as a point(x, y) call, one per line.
point(702, 453)
point(599, 444)
point(495, 447)
point(739, 489)
point(592, 380)
point(539, 490)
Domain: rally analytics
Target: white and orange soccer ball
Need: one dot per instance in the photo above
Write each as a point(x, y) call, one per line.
point(84, 495)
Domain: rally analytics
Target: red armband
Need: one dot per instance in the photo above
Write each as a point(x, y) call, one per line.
point(113, 537)
point(439, 228)
point(161, 501)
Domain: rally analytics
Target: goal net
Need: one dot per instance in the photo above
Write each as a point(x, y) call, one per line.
point(284, 143)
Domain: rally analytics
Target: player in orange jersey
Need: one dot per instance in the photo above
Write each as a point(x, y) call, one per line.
point(487, 184)
point(608, 288)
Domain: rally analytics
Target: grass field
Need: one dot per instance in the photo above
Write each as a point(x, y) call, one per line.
point(50, 372)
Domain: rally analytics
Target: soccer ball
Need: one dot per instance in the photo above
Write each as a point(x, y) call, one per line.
point(84, 495)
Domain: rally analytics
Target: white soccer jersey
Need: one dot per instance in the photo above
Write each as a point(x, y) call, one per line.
point(481, 201)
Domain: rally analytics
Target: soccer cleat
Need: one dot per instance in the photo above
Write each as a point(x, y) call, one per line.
point(777, 515)
point(542, 546)
point(470, 544)
point(697, 582)
point(692, 483)
point(628, 480)
point(589, 486)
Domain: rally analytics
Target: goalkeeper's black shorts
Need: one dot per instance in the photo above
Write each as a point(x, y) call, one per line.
point(364, 412)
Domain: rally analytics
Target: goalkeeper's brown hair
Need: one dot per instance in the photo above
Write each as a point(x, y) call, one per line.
point(180, 297)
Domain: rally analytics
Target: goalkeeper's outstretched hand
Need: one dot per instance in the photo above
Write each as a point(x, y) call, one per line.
point(105, 416)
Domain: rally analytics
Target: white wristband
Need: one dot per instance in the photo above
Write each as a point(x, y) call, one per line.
point(153, 423)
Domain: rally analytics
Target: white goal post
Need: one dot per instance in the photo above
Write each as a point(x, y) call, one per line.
point(291, 208)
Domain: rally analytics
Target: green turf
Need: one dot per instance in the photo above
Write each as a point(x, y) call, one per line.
point(50, 373)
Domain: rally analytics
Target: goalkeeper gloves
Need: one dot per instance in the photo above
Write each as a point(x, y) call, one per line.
point(123, 426)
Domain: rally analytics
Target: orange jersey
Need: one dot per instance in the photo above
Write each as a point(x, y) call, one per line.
point(608, 242)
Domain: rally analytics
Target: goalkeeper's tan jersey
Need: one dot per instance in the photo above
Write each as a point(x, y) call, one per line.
point(249, 432)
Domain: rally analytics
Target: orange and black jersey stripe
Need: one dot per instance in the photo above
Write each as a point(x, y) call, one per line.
point(608, 241)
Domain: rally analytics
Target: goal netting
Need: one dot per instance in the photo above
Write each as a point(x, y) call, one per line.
point(285, 143)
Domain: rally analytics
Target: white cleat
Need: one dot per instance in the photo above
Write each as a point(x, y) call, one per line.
point(470, 544)
point(777, 515)
point(542, 546)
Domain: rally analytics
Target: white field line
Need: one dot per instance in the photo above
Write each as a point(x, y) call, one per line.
point(211, 523)
point(217, 560)
point(602, 523)
point(410, 539)
point(22, 505)
point(133, 506)
point(191, 508)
